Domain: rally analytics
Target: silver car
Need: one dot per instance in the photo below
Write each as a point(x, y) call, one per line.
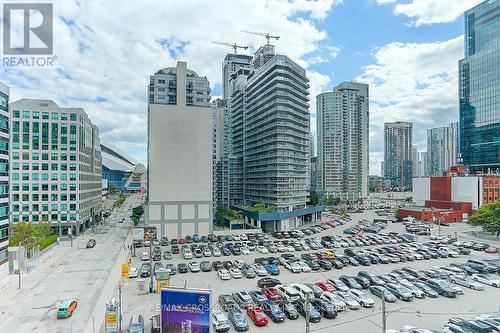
point(466, 282)
point(349, 300)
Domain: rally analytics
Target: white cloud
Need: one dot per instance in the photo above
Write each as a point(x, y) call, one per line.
point(333, 51)
point(415, 82)
point(318, 83)
point(316, 60)
point(431, 11)
point(107, 52)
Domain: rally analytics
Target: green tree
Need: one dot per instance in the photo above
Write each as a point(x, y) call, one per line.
point(29, 234)
point(488, 217)
point(314, 198)
point(137, 212)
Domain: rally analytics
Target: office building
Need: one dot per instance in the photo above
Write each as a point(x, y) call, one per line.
point(117, 166)
point(422, 169)
point(55, 169)
point(180, 174)
point(342, 125)
point(479, 88)
point(398, 153)
point(414, 158)
point(442, 148)
point(4, 172)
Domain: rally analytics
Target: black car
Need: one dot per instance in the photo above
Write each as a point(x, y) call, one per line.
point(313, 264)
point(363, 260)
point(91, 243)
point(156, 256)
point(205, 266)
point(273, 311)
point(466, 268)
point(216, 265)
point(227, 301)
point(480, 246)
point(182, 268)
point(326, 309)
point(227, 264)
point(314, 315)
point(325, 264)
point(463, 250)
point(352, 261)
point(172, 268)
point(164, 241)
point(442, 287)
point(268, 282)
point(289, 310)
point(350, 282)
point(175, 249)
point(257, 296)
point(237, 318)
point(145, 270)
point(364, 282)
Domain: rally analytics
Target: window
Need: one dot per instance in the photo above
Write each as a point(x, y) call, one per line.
point(35, 156)
point(72, 176)
point(53, 156)
point(72, 116)
point(64, 186)
point(35, 115)
point(26, 187)
point(26, 176)
point(15, 114)
point(15, 166)
point(53, 176)
point(64, 176)
point(45, 176)
point(53, 207)
point(15, 176)
point(15, 155)
point(26, 114)
point(45, 166)
point(53, 187)
point(45, 115)
point(45, 156)
point(35, 197)
point(45, 187)
point(35, 187)
point(35, 166)
point(45, 207)
point(26, 156)
point(35, 176)
point(64, 116)
point(55, 116)
point(53, 166)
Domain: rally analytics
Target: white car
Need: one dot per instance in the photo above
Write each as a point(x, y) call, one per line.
point(362, 298)
point(207, 252)
point(351, 303)
point(133, 272)
point(487, 279)
point(281, 248)
point(293, 267)
point(235, 273)
point(466, 282)
point(335, 299)
point(304, 267)
point(290, 248)
point(416, 291)
point(262, 249)
point(244, 250)
point(236, 238)
point(194, 266)
point(145, 256)
point(224, 274)
point(260, 270)
point(451, 252)
point(437, 237)
point(305, 246)
point(216, 252)
point(239, 263)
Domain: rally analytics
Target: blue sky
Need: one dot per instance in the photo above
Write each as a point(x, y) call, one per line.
point(407, 50)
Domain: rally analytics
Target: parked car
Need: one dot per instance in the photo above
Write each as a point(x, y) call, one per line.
point(268, 282)
point(442, 287)
point(487, 279)
point(383, 292)
point(325, 308)
point(400, 292)
point(257, 316)
point(243, 299)
point(289, 310)
point(224, 274)
point(133, 272)
point(314, 315)
point(350, 302)
point(362, 298)
point(91, 243)
point(236, 317)
point(273, 311)
point(220, 321)
point(226, 302)
point(465, 281)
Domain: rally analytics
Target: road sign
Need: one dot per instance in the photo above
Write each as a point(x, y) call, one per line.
point(138, 234)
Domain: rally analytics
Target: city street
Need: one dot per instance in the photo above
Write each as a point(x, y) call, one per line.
point(68, 273)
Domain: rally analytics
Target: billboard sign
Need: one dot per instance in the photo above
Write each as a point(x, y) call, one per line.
point(185, 310)
point(138, 234)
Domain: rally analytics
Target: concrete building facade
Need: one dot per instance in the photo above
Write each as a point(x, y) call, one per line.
point(4, 172)
point(55, 169)
point(180, 174)
point(398, 153)
point(343, 128)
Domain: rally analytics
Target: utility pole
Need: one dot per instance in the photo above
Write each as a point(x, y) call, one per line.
point(151, 264)
point(307, 312)
point(384, 318)
point(120, 304)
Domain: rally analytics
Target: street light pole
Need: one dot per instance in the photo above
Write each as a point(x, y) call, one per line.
point(307, 312)
point(151, 265)
point(384, 318)
point(120, 304)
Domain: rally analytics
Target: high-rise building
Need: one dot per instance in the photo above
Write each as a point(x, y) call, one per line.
point(479, 87)
point(180, 147)
point(442, 148)
point(217, 150)
point(4, 172)
point(414, 158)
point(422, 170)
point(342, 125)
point(231, 64)
point(55, 165)
point(398, 153)
point(275, 132)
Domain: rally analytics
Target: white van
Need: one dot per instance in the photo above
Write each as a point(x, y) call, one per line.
point(288, 293)
point(302, 289)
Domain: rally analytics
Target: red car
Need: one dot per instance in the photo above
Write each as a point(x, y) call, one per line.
point(326, 225)
point(325, 286)
point(331, 224)
point(181, 240)
point(320, 256)
point(272, 294)
point(492, 249)
point(258, 317)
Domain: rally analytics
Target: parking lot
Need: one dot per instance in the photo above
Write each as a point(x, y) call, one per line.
point(429, 313)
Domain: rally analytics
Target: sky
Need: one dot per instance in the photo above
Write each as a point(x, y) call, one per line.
point(406, 50)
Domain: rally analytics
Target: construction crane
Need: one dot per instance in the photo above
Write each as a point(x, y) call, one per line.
point(233, 45)
point(266, 35)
